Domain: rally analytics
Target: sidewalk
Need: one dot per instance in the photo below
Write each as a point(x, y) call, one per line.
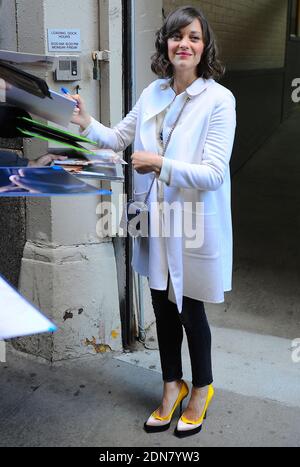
point(103, 401)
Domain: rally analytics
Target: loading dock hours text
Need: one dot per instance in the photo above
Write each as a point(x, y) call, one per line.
point(60, 40)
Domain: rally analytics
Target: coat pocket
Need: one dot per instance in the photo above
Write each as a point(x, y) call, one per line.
point(201, 236)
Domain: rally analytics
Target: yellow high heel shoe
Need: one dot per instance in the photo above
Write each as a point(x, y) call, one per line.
point(187, 427)
point(157, 424)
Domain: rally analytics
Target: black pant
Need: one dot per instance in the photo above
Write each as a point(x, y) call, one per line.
point(169, 325)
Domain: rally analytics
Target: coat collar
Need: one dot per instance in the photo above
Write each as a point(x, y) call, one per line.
point(197, 87)
point(163, 95)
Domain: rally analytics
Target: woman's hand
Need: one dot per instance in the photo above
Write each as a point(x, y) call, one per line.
point(80, 115)
point(46, 160)
point(146, 162)
point(4, 85)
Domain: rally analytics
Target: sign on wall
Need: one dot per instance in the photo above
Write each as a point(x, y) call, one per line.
point(64, 40)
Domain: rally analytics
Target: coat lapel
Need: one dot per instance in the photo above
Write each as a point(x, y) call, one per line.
point(160, 98)
point(162, 95)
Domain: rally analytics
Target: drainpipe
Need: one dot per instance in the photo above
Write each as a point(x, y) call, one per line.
point(139, 283)
point(127, 311)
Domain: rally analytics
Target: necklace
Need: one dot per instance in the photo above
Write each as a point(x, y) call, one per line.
point(172, 84)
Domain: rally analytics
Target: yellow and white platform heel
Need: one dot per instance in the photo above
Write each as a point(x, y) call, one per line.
point(157, 424)
point(187, 427)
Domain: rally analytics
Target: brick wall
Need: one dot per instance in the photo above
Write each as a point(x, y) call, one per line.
point(251, 34)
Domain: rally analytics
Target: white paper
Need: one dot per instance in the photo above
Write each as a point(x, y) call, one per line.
point(18, 58)
point(18, 317)
point(105, 155)
point(59, 109)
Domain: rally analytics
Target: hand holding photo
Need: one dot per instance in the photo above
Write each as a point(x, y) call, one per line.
point(45, 181)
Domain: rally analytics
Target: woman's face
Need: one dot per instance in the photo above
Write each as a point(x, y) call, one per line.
point(185, 48)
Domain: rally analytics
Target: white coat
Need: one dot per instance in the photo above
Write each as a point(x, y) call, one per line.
point(196, 170)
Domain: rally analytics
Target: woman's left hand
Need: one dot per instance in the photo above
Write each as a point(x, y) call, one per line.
point(146, 162)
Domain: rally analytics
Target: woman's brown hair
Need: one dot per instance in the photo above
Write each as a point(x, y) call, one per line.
point(209, 67)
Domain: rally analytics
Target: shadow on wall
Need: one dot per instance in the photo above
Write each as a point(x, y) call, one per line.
point(259, 98)
point(12, 211)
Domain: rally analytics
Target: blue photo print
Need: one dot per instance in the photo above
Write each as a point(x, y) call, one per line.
point(46, 181)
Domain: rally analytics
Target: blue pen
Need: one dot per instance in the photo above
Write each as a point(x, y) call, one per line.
point(67, 92)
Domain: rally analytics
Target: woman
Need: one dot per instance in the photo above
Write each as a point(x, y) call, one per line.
point(194, 173)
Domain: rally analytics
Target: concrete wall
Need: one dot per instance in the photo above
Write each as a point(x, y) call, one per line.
point(147, 20)
point(67, 270)
point(12, 237)
point(8, 29)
